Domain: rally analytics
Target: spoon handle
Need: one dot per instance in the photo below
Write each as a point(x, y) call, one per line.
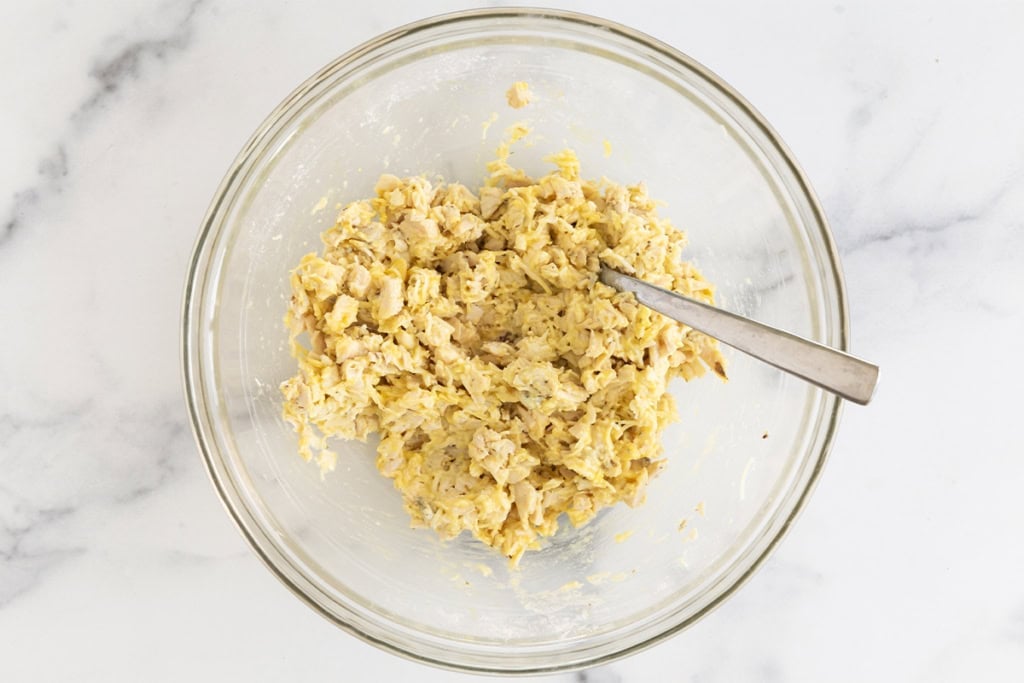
point(832, 370)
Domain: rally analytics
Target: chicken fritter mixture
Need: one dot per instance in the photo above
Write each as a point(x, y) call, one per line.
point(508, 385)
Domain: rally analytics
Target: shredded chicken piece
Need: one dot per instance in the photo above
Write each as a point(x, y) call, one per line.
point(470, 331)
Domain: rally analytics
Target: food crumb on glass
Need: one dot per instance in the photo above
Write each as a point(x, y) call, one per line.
point(519, 95)
point(482, 568)
point(486, 125)
point(319, 206)
point(743, 478)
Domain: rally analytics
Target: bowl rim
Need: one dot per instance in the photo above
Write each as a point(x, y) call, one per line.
point(193, 293)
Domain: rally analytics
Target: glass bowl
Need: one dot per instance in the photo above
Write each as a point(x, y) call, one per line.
point(743, 456)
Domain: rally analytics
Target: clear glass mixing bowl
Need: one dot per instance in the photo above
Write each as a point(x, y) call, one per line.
point(746, 453)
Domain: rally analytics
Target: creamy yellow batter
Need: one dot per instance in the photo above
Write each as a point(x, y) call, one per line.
point(469, 330)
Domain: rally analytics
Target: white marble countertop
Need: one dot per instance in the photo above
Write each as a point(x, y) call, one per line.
point(119, 118)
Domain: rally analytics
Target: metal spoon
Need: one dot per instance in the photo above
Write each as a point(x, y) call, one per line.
point(834, 371)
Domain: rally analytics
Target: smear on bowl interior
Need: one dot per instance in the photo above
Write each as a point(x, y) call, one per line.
point(469, 329)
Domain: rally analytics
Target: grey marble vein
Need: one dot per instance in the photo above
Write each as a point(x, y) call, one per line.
point(128, 63)
point(908, 229)
point(12, 424)
point(36, 504)
point(954, 219)
point(110, 75)
point(22, 566)
point(172, 440)
point(863, 114)
point(920, 141)
point(602, 674)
